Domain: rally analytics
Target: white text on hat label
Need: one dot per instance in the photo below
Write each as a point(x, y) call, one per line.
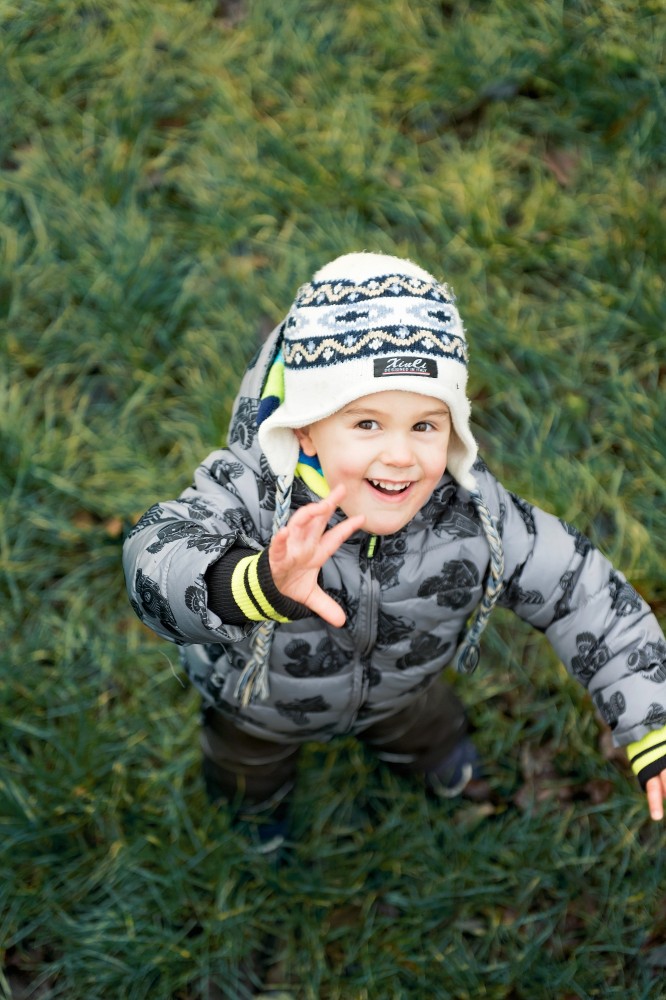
point(403, 365)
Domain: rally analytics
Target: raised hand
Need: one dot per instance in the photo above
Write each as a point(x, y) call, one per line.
point(299, 550)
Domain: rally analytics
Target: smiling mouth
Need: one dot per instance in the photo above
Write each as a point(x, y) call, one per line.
point(389, 489)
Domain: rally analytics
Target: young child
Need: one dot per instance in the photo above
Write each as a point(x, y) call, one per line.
point(348, 544)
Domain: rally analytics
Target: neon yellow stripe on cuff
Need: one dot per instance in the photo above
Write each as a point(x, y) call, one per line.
point(240, 594)
point(252, 602)
point(258, 593)
point(645, 751)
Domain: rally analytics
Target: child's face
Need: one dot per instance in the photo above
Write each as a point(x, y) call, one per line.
point(389, 449)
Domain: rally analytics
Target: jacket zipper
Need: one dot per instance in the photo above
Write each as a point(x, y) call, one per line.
point(367, 635)
point(370, 632)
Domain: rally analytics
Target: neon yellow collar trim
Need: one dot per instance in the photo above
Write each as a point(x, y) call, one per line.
point(313, 479)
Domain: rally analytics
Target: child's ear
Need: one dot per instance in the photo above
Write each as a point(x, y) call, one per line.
point(305, 441)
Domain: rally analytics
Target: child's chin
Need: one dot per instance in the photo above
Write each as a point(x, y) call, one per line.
point(386, 525)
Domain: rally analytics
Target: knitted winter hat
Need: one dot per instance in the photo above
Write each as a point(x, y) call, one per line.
point(366, 323)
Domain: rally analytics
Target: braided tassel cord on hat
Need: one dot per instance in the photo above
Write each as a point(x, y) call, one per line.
point(467, 655)
point(253, 681)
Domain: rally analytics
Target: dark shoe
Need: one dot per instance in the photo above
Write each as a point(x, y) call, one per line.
point(265, 824)
point(268, 834)
point(451, 776)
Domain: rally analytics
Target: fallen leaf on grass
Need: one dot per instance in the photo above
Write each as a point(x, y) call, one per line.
point(83, 520)
point(563, 165)
point(542, 780)
point(114, 527)
point(537, 762)
point(620, 124)
point(531, 793)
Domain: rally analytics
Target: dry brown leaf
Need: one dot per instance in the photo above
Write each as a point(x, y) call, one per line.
point(563, 164)
point(114, 527)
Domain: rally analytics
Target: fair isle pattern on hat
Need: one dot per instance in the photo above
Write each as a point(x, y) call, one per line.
point(333, 321)
point(366, 323)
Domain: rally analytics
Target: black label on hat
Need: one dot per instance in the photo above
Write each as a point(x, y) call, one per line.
point(406, 365)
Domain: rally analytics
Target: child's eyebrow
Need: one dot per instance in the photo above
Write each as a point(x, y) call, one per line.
point(440, 411)
point(367, 411)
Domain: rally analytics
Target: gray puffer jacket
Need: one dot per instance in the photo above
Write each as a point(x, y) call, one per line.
point(406, 605)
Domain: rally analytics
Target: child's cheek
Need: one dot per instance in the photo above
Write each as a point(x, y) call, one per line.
point(338, 473)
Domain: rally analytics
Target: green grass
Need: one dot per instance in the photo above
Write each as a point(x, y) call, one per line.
point(167, 180)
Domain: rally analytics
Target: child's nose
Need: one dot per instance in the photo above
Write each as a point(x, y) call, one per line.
point(398, 452)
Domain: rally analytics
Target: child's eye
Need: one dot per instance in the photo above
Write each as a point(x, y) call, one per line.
point(367, 425)
point(424, 425)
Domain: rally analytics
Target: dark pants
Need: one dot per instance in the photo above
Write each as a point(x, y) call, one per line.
point(414, 741)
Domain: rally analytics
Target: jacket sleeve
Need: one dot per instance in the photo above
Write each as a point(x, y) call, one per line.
point(241, 589)
point(648, 756)
point(171, 555)
point(600, 627)
point(170, 550)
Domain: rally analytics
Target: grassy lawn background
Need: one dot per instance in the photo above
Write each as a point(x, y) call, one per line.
point(169, 174)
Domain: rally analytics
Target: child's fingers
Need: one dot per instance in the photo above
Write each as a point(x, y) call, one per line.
point(279, 548)
point(336, 495)
point(311, 540)
point(656, 790)
point(321, 510)
point(326, 608)
point(333, 538)
point(307, 525)
point(327, 503)
point(304, 545)
point(290, 549)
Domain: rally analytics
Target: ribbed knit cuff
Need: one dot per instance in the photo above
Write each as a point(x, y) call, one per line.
point(290, 610)
point(648, 756)
point(241, 589)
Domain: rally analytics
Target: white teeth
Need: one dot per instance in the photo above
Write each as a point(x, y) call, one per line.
point(391, 487)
